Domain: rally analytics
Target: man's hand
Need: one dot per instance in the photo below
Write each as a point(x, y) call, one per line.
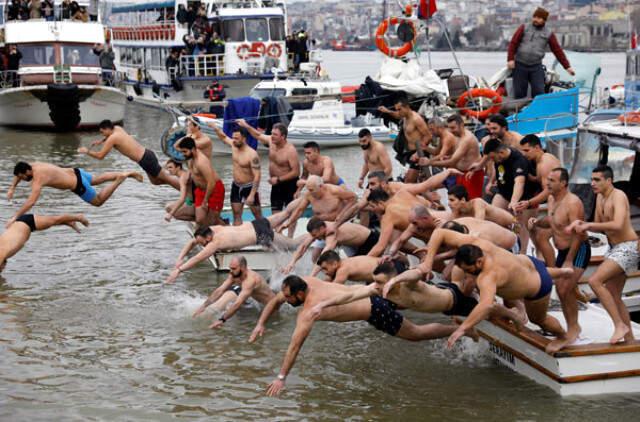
point(287, 268)
point(582, 227)
point(273, 180)
point(387, 287)
point(531, 224)
point(511, 64)
point(83, 150)
point(199, 310)
point(257, 332)
point(512, 206)
point(571, 227)
point(360, 183)
point(173, 276)
point(489, 187)
point(242, 123)
point(10, 193)
point(204, 206)
point(454, 337)
point(383, 109)
point(316, 311)
point(455, 172)
point(217, 324)
point(571, 72)
point(275, 387)
point(10, 222)
point(521, 206)
point(98, 142)
point(251, 199)
point(168, 217)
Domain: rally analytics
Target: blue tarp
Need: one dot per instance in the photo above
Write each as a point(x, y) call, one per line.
point(247, 108)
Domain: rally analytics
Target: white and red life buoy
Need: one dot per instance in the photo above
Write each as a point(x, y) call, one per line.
point(274, 51)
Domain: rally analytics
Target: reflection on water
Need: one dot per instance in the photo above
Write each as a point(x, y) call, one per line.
point(87, 331)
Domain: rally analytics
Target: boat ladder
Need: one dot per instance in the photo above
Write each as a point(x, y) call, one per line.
point(62, 74)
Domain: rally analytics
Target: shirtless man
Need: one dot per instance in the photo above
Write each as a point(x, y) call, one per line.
point(310, 291)
point(209, 190)
point(396, 215)
point(497, 271)
point(355, 237)
point(612, 217)
point(486, 230)
point(318, 165)
point(375, 155)
point(116, 137)
point(478, 208)
point(467, 151)
point(246, 173)
point(416, 133)
point(241, 284)
point(218, 238)
point(574, 250)
point(203, 142)
point(422, 222)
point(284, 165)
point(76, 180)
point(356, 268)
point(446, 144)
point(183, 208)
point(16, 236)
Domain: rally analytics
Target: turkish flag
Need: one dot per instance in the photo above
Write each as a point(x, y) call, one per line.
point(634, 40)
point(427, 9)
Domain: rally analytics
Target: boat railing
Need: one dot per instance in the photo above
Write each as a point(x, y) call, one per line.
point(9, 79)
point(158, 31)
point(201, 65)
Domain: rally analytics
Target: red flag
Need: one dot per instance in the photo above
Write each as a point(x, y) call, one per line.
point(634, 40)
point(427, 9)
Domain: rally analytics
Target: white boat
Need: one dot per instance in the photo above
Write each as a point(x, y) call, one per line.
point(591, 368)
point(59, 81)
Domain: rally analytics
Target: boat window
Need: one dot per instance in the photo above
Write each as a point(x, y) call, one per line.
point(304, 91)
point(233, 30)
point(257, 30)
point(276, 29)
point(38, 55)
point(268, 92)
point(78, 55)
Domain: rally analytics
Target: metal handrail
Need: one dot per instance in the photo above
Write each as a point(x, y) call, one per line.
point(201, 65)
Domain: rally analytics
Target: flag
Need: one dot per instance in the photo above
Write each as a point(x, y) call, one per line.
point(634, 40)
point(427, 9)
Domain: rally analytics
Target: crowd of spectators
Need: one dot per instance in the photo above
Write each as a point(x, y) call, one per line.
point(298, 48)
point(46, 9)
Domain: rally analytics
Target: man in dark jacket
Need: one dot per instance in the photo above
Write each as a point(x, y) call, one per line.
point(526, 52)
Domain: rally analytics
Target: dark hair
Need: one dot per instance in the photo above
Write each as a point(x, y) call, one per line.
point(21, 168)
point(241, 260)
point(468, 254)
point(187, 143)
point(174, 162)
point(378, 195)
point(378, 174)
point(364, 132)
point(386, 268)
point(328, 256)
point(499, 119)
point(493, 145)
point(203, 231)
point(456, 227)
point(295, 284)
point(281, 128)
point(531, 140)
point(459, 192)
point(606, 171)
point(455, 118)
point(314, 224)
point(242, 131)
point(106, 124)
point(403, 101)
point(312, 145)
point(564, 174)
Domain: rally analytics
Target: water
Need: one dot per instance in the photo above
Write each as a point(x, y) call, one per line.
point(87, 331)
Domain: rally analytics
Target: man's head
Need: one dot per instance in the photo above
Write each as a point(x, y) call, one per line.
point(237, 266)
point(239, 137)
point(531, 147)
point(317, 228)
point(496, 150)
point(311, 151)
point(540, 17)
point(329, 261)
point(23, 171)
point(458, 197)
point(192, 125)
point(187, 147)
point(421, 217)
point(203, 235)
point(601, 179)
point(456, 227)
point(106, 127)
point(455, 123)
point(294, 290)
point(279, 134)
point(364, 138)
point(497, 126)
point(173, 167)
point(314, 183)
point(437, 125)
point(378, 200)
point(384, 272)
point(470, 259)
point(403, 107)
point(377, 179)
point(557, 180)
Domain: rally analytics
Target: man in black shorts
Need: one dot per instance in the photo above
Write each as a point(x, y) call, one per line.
point(16, 235)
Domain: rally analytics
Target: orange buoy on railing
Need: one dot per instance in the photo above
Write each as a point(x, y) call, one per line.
point(382, 44)
point(349, 93)
point(496, 100)
point(632, 117)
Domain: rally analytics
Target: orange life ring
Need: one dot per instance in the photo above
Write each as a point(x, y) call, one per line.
point(616, 86)
point(349, 93)
point(274, 50)
point(206, 115)
point(382, 44)
point(258, 48)
point(243, 51)
point(495, 98)
point(632, 117)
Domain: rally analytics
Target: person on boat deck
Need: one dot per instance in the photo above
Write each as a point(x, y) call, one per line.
point(16, 236)
point(35, 9)
point(242, 284)
point(526, 52)
point(93, 10)
point(612, 217)
point(48, 10)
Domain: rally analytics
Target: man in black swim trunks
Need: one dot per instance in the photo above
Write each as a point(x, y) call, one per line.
point(309, 291)
point(16, 236)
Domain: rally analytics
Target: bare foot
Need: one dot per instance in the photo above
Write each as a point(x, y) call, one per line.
point(556, 345)
point(619, 334)
point(81, 218)
point(629, 337)
point(472, 334)
point(72, 224)
point(135, 175)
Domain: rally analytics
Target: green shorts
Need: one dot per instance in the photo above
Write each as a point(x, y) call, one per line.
point(188, 202)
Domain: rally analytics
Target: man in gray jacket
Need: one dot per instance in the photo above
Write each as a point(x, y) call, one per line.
point(526, 52)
